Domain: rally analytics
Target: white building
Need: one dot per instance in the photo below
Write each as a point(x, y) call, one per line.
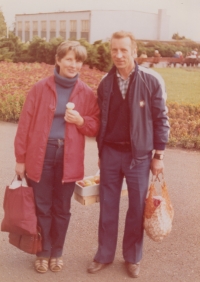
point(92, 25)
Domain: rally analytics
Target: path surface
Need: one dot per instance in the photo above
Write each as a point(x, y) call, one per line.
point(176, 259)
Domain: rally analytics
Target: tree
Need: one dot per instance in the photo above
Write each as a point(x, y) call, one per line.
point(176, 36)
point(3, 27)
point(104, 57)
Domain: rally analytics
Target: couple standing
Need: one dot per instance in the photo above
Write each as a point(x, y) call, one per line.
point(130, 121)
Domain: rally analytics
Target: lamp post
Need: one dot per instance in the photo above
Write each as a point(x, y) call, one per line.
point(7, 30)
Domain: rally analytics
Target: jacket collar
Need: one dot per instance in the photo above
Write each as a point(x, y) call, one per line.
point(77, 88)
point(108, 82)
point(113, 70)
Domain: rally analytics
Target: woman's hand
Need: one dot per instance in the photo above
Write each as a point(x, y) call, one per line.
point(73, 116)
point(20, 169)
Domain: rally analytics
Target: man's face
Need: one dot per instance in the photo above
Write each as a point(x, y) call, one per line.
point(122, 53)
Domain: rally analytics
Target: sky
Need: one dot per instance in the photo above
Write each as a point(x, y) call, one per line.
point(184, 15)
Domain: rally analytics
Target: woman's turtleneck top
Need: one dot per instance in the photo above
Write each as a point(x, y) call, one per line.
point(64, 87)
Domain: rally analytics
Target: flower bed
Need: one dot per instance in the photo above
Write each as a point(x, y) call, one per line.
point(184, 125)
point(17, 79)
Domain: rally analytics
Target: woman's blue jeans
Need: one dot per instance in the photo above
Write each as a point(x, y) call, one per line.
point(53, 201)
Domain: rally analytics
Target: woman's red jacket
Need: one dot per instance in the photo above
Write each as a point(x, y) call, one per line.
point(35, 124)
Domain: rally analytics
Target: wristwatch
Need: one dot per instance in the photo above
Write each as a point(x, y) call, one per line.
point(158, 156)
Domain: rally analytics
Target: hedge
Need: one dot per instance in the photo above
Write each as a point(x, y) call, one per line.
point(39, 50)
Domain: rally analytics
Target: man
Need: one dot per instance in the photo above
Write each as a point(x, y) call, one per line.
point(134, 123)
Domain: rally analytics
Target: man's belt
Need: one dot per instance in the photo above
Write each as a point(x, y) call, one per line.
point(119, 146)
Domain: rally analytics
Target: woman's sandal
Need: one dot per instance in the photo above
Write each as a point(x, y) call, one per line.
point(56, 264)
point(41, 264)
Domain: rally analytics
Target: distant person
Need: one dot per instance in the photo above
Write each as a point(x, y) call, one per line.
point(194, 53)
point(192, 58)
point(157, 54)
point(188, 55)
point(143, 55)
point(157, 57)
point(133, 133)
point(49, 147)
point(178, 54)
point(142, 58)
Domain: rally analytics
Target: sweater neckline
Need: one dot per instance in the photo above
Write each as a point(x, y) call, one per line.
point(64, 81)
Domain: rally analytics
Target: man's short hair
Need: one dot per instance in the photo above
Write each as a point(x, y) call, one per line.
point(123, 34)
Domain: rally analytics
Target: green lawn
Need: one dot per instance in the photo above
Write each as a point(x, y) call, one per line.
point(182, 84)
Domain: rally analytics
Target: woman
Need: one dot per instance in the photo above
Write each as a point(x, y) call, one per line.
point(49, 147)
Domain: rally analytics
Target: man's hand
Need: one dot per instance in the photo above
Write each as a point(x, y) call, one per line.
point(73, 116)
point(157, 166)
point(20, 169)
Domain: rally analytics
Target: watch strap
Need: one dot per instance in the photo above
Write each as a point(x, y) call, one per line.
point(158, 156)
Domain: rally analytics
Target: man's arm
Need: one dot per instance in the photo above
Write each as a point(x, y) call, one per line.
point(160, 126)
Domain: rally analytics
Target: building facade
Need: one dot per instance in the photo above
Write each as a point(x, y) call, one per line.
point(92, 25)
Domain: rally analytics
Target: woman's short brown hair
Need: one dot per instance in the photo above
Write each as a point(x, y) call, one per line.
point(66, 46)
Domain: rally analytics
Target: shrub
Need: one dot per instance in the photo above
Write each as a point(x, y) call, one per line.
point(184, 125)
point(104, 58)
point(172, 141)
point(10, 107)
point(39, 50)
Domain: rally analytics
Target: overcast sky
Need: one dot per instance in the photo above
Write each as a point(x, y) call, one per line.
point(184, 15)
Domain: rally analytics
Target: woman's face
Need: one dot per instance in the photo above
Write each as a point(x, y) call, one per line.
point(69, 66)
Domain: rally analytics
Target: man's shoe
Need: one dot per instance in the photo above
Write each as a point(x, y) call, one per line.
point(96, 266)
point(133, 269)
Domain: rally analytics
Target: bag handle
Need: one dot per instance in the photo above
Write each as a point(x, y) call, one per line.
point(97, 173)
point(155, 178)
point(17, 182)
point(152, 187)
point(23, 180)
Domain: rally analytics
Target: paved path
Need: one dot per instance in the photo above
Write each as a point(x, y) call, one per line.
point(176, 259)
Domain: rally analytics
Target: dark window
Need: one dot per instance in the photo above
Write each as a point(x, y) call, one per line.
point(20, 34)
point(27, 36)
point(85, 35)
point(35, 33)
point(52, 34)
point(43, 34)
point(63, 34)
point(73, 35)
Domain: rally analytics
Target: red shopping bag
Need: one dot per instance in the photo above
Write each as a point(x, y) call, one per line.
point(31, 244)
point(19, 209)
